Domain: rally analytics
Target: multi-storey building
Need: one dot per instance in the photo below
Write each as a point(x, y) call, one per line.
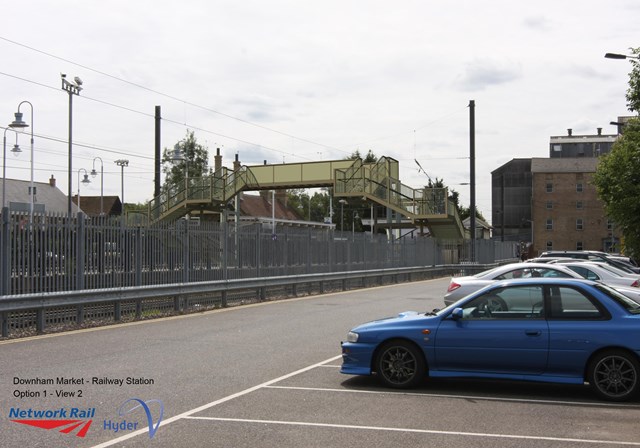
point(551, 203)
point(565, 209)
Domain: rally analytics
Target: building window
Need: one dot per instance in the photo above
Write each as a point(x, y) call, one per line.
point(579, 188)
point(609, 225)
point(549, 187)
point(549, 205)
point(549, 245)
point(579, 205)
point(579, 245)
point(549, 224)
point(579, 224)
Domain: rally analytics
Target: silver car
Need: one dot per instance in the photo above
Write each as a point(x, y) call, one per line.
point(460, 287)
point(603, 272)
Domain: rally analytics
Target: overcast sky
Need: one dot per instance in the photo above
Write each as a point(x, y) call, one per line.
point(294, 81)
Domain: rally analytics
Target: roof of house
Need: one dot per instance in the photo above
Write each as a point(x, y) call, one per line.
point(479, 223)
point(260, 207)
point(90, 205)
point(48, 198)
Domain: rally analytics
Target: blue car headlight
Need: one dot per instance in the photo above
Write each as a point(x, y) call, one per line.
point(352, 336)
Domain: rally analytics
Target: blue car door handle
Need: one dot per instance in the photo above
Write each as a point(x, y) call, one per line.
point(533, 332)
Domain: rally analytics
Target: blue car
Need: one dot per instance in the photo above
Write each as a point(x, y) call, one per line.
point(541, 329)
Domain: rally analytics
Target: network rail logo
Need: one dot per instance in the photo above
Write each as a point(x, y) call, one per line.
point(67, 419)
point(77, 421)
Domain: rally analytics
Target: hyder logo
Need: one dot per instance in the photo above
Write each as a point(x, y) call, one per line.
point(65, 420)
point(135, 403)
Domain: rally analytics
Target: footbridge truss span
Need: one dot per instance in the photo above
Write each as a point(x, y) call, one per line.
point(377, 182)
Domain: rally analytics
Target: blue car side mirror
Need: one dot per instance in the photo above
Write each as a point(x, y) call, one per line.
point(457, 314)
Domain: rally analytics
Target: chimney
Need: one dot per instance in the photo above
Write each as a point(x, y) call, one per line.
point(569, 132)
point(52, 181)
point(599, 131)
point(217, 164)
point(282, 197)
point(236, 164)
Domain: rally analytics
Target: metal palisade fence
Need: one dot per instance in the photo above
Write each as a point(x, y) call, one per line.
point(54, 253)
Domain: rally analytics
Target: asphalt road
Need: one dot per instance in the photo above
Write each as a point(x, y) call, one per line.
point(267, 376)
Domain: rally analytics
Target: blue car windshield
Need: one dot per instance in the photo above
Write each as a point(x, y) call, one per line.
point(625, 302)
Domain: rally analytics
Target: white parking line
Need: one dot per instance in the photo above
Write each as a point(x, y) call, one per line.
point(420, 431)
point(215, 403)
point(462, 397)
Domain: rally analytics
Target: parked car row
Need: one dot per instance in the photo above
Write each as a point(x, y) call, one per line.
point(459, 287)
point(625, 263)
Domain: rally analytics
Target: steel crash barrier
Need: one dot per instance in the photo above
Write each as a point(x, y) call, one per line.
point(27, 314)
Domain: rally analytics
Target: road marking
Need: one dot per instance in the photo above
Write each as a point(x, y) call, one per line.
point(215, 403)
point(419, 431)
point(461, 397)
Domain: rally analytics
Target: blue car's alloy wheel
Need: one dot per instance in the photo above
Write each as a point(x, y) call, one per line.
point(614, 375)
point(400, 364)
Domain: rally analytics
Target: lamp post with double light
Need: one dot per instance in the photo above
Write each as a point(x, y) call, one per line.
point(122, 163)
point(94, 174)
point(19, 123)
point(72, 88)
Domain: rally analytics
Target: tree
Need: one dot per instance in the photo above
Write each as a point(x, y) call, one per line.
point(617, 177)
point(369, 158)
point(194, 158)
point(617, 181)
point(454, 196)
point(633, 93)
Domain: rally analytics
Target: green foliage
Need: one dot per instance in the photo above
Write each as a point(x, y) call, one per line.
point(633, 93)
point(454, 196)
point(617, 181)
point(310, 208)
point(195, 158)
point(369, 158)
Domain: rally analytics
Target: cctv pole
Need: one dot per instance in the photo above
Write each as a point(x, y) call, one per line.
point(71, 89)
point(472, 175)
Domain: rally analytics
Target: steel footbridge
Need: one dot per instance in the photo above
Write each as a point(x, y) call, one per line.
point(377, 182)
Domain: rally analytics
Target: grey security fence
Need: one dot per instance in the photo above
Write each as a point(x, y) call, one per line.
point(50, 253)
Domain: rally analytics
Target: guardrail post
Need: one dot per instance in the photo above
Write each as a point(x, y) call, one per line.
point(4, 323)
point(5, 275)
point(40, 321)
point(80, 314)
point(117, 311)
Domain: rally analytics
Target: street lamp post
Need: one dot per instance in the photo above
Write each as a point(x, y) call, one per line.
point(72, 88)
point(342, 202)
point(122, 163)
point(94, 174)
point(620, 56)
point(19, 123)
point(85, 180)
point(353, 225)
point(16, 150)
